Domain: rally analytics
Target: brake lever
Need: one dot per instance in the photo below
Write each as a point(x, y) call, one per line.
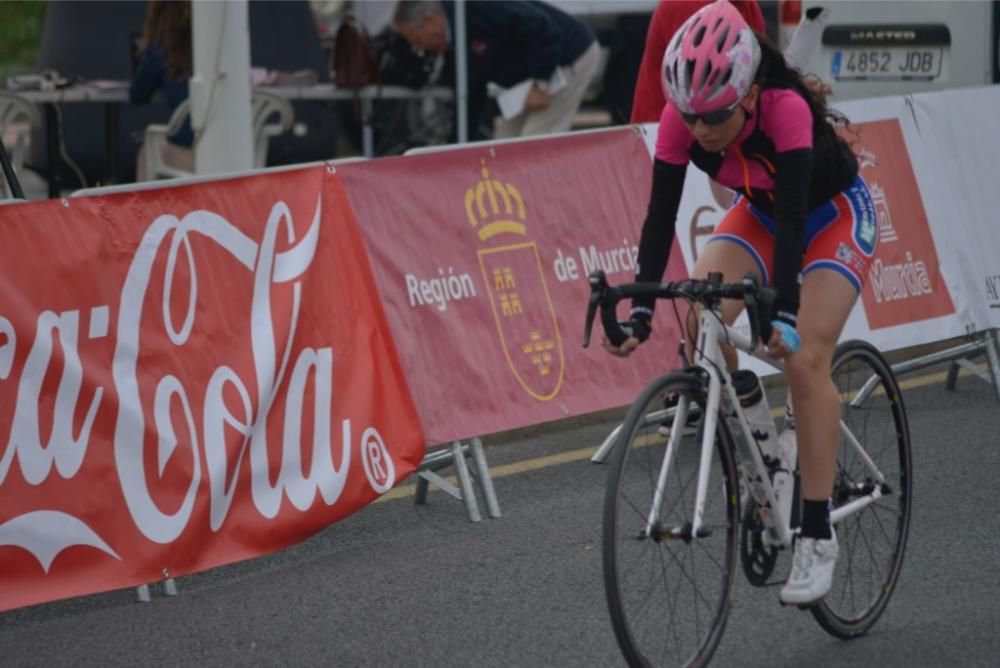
point(604, 296)
point(595, 299)
point(750, 301)
point(759, 301)
point(765, 307)
point(598, 287)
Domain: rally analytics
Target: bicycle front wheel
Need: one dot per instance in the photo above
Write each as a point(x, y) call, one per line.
point(669, 590)
point(873, 539)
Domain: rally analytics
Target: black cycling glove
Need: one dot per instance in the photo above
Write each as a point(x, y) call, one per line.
point(639, 327)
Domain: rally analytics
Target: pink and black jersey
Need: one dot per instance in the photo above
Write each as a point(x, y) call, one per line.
point(784, 162)
point(782, 123)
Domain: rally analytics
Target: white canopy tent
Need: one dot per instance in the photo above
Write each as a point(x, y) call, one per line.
point(220, 86)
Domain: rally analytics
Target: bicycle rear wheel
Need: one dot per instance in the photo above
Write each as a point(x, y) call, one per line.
point(668, 591)
point(872, 540)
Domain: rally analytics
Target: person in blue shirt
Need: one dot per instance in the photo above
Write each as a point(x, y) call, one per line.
point(165, 64)
point(508, 43)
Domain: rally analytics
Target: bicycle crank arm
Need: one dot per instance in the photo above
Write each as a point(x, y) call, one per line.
point(658, 534)
point(854, 506)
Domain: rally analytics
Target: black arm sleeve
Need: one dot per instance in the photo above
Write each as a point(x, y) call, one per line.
point(791, 198)
point(658, 229)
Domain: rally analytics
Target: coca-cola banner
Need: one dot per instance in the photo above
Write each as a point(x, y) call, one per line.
point(189, 376)
point(482, 255)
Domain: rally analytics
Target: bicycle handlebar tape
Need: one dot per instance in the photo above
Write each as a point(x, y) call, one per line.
point(616, 335)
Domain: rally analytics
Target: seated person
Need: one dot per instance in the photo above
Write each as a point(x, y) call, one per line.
point(165, 63)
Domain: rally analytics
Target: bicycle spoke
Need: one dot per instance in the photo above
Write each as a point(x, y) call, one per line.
point(871, 551)
point(708, 554)
point(877, 520)
point(674, 602)
point(668, 591)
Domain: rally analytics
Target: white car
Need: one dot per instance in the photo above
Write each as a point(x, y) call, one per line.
point(892, 47)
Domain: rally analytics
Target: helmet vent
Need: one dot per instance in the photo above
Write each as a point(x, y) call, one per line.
point(688, 72)
point(678, 39)
point(721, 44)
point(706, 74)
point(698, 36)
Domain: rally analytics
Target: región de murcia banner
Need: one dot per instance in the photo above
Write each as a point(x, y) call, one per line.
point(189, 377)
point(481, 256)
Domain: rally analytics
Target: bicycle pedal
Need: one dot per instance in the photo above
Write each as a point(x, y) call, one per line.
point(800, 606)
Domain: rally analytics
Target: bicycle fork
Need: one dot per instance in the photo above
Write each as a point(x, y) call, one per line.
point(754, 470)
point(694, 528)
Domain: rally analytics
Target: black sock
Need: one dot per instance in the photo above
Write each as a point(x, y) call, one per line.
point(816, 519)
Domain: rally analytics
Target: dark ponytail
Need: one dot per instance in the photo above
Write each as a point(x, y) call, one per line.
point(774, 72)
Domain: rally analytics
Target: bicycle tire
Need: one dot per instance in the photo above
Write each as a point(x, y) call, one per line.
point(651, 627)
point(872, 540)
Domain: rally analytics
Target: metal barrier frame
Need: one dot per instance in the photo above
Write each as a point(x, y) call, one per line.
point(455, 455)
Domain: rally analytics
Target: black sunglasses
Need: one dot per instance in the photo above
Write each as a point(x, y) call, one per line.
point(711, 117)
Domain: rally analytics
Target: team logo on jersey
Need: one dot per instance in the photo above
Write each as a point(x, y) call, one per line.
point(865, 218)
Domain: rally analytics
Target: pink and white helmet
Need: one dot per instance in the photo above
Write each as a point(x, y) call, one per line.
point(711, 60)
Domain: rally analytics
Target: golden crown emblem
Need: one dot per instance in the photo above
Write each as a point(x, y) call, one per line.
point(494, 208)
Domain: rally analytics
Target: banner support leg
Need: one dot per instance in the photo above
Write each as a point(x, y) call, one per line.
point(602, 452)
point(462, 469)
point(987, 344)
point(169, 586)
point(993, 357)
point(485, 480)
point(455, 456)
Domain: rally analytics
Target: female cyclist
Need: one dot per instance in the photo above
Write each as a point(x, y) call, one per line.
point(802, 220)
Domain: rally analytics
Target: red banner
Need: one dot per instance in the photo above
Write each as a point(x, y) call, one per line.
point(482, 257)
point(904, 283)
point(189, 377)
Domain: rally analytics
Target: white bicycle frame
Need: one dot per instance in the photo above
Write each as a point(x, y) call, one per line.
point(712, 332)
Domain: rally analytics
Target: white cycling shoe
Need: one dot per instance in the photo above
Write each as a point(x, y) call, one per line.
point(812, 570)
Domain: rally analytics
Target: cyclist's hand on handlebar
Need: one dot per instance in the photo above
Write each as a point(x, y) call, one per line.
point(784, 340)
point(638, 330)
point(624, 350)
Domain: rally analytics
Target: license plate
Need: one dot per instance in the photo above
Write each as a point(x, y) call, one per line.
point(901, 64)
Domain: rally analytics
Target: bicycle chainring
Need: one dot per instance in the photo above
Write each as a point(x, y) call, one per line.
point(758, 560)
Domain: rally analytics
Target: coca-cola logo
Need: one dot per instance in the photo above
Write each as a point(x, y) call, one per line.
point(157, 405)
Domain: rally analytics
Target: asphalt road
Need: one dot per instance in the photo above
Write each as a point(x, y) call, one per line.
point(398, 584)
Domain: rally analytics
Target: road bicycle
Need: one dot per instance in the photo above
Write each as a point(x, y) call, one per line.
point(683, 504)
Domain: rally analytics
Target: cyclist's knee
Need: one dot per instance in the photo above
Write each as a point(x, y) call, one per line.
point(810, 363)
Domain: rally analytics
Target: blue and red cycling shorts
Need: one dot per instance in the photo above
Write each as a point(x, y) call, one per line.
point(841, 234)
